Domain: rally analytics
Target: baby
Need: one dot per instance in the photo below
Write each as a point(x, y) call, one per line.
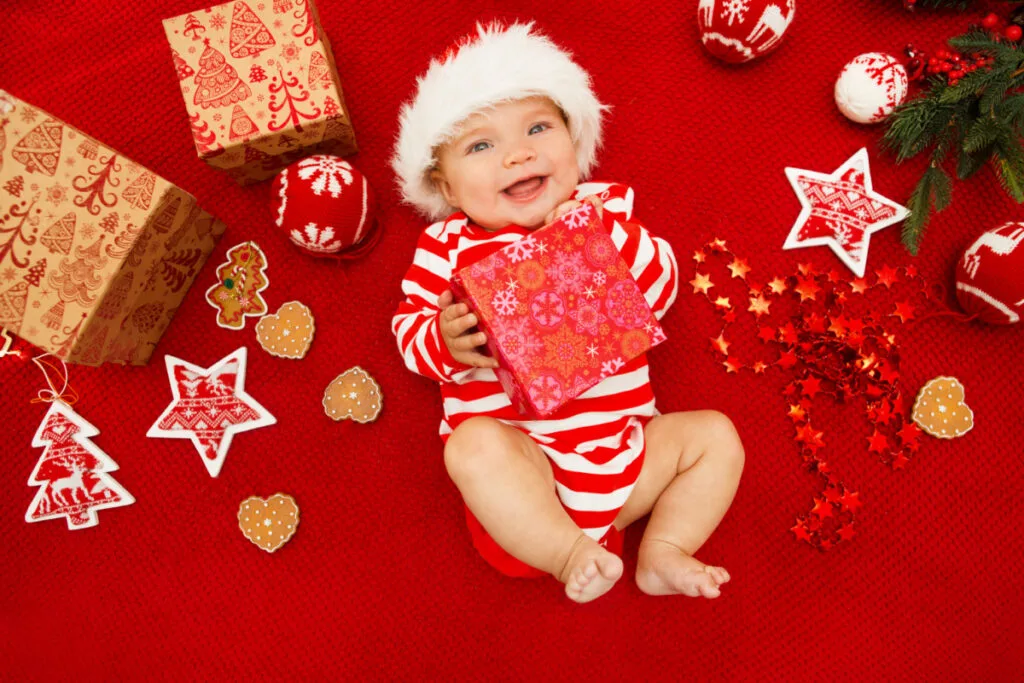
point(494, 145)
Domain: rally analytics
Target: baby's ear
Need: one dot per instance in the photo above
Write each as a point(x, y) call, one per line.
point(439, 180)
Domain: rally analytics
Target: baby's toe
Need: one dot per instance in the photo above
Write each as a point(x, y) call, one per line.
point(709, 590)
point(718, 574)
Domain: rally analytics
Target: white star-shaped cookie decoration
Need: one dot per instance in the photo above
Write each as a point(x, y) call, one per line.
point(209, 407)
point(841, 210)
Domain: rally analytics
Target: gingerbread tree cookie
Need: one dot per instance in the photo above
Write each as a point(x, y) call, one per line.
point(241, 279)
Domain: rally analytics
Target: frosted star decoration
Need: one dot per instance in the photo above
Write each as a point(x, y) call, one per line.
point(209, 407)
point(841, 210)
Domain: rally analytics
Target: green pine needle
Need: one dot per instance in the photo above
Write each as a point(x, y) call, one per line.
point(981, 118)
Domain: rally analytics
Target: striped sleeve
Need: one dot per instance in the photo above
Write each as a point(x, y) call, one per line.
point(416, 322)
point(652, 263)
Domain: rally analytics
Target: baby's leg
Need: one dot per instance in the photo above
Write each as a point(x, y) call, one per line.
point(689, 478)
point(507, 483)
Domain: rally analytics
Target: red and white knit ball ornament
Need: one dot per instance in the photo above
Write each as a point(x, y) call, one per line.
point(870, 86)
point(326, 208)
point(741, 30)
point(990, 276)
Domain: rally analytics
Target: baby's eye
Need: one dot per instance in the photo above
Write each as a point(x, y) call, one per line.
point(538, 128)
point(478, 147)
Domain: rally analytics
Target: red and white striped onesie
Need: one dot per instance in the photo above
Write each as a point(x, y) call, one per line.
point(596, 442)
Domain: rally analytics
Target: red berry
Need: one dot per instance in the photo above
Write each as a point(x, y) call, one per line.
point(956, 75)
point(990, 21)
point(1013, 33)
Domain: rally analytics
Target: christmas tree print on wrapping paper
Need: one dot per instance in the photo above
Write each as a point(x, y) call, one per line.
point(18, 229)
point(249, 36)
point(217, 83)
point(209, 407)
point(40, 149)
point(240, 281)
point(72, 472)
point(59, 236)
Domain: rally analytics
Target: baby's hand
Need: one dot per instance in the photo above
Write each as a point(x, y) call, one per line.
point(454, 323)
point(566, 207)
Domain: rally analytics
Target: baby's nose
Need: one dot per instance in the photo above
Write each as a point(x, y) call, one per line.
point(519, 156)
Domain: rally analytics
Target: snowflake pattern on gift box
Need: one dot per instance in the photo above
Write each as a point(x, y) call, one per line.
point(568, 272)
point(547, 309)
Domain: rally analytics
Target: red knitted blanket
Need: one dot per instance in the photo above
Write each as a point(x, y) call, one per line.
point(380, 581)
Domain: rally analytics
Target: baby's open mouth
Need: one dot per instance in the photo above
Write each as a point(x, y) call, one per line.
point(527, 188)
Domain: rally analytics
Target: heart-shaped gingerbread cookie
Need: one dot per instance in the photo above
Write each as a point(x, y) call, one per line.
point(353, 395)
point(287, 333)
point(940, 409)
point(268, 522)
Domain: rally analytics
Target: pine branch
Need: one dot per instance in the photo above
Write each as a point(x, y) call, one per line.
point(976, 117)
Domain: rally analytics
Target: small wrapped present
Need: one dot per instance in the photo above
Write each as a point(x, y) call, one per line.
point(96, 252)
point(260, 86)
point(561, 311)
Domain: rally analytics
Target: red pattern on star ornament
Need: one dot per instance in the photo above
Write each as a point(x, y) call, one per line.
point(824, 349)
point(841, 210)
point(210, 406)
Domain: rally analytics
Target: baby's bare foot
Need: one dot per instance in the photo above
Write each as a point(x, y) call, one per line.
point(590, 571)
point(663, 569)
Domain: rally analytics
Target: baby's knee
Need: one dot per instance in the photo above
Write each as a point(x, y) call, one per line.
point(724, 436)
point(472, 444)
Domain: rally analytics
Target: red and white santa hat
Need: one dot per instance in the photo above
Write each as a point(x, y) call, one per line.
point(498, 64)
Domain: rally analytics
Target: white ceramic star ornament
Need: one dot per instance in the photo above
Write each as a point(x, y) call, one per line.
point(210, 406)
point(841, 210)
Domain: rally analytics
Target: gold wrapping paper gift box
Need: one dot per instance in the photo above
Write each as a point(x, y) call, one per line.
point(96, 252)
point(260, 86)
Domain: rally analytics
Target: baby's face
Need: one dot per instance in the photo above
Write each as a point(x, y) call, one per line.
point(512, 164)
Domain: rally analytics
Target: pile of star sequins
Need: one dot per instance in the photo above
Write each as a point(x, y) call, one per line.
point(831, 336)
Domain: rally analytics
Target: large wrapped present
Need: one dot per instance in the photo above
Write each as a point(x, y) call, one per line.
point(561, 311)
point(260, 86)
point(96, 252)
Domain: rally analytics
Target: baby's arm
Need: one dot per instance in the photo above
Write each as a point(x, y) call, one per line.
point(652, 263)
point(416, 323)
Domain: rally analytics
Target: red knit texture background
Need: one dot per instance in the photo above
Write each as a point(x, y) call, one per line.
point(380, 580)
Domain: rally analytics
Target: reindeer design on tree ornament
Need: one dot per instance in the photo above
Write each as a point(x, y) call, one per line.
point(774, 22)
point(72, 483)
point(997, 242)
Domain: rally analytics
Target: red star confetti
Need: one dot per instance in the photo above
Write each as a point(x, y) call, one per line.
point(826, 351)
point(759, 305)
point(841, 210)
point(209, 407)
point(701, 283)
point(739, 268)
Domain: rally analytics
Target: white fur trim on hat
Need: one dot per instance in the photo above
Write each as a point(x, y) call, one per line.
point(497, 65)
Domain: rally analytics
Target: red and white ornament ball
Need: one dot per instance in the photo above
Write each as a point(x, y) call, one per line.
point(870, 86)
point(326, 207)
point(742, 30)
point(990, 276)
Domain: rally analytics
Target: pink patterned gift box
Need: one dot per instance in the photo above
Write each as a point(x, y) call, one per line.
point(560, 309)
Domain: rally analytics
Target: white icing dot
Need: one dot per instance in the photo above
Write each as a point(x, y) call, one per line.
point(266, 522)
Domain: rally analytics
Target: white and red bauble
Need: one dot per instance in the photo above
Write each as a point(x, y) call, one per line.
point(870, 86)
point(326, 207)
point(741, 30)
point(990, 276)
